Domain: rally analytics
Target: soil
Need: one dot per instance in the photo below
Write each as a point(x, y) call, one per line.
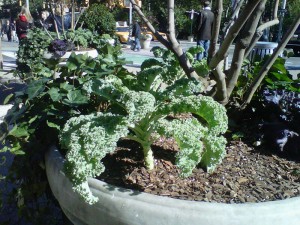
point(247, 174)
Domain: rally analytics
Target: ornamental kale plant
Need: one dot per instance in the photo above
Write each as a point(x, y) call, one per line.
point(32, 51)
point(139, 109)
point(58, 47)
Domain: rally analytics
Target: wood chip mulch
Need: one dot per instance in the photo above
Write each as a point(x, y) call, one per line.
point(245, 175)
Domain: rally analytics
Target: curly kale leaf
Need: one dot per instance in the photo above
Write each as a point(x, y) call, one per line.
point(169, 67)
point(187, 133)
point(181, 87)
point(136, 104)
point(198, 140)
point(213, 114)
point(88, 139)
point(149, 79)
point(214, 151)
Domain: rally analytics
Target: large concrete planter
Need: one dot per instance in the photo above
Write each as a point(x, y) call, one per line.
point(91, 53)
point(122, 206)
point(145, 44)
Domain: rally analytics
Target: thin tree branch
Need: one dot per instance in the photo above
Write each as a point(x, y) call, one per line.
point(216, 29)
point(233, 32)
point(149, 25)
point(233, 17)
point(242, 43)
point(261, 28)
point(171, 44)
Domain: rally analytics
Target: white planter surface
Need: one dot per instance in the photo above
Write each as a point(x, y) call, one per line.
point(3, 111)
point(123, 206)
point(145, 44)
point(92, 53)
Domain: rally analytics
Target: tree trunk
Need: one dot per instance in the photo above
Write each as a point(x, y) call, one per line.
point(243, 42)
point(216, 29)
point(223, 50)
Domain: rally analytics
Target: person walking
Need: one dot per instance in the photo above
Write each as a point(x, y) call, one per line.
point(136, 33)
point(13, 31)
point(23, 23)
point(205, 22)
point(6, 29)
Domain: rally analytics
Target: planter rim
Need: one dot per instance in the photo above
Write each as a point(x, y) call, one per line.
point(91, 52)
point(279, 212)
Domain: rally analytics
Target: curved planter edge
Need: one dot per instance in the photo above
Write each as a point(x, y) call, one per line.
point(123, 206)
point(92, 53)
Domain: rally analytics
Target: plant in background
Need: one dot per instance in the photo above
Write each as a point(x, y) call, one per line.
point(58, 47)
point(32, 50)
point(98, 18)
point(278, 77)
point(168, 64)
point(81, 38)
point(30, 53)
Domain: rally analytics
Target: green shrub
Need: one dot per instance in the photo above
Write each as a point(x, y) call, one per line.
point(31, 51)
point(98, 18)
point(31, 63)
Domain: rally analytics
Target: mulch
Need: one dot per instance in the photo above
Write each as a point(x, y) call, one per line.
point(247, 174)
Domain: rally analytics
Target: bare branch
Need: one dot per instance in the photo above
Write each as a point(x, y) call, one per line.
point(216, 29)
point(233, 31)
point(171, 20)
point(233, 17)
point(172, 44)
point(264, 70)
point(242, 43)
point(262, 27)
point(149, 25)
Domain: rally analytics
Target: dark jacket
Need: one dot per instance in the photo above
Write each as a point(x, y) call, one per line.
point(6, 28)
point(205, 22)
point(136, 30)
point(58, 20)
point(12, 27)
point(22, 26)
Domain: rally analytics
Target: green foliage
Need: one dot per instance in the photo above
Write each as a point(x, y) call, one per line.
point(168, 63)
point(33, 50)
point(95, 102)
point(101, 133)
point(278, 77)
point(98, 18)
point(80, 37)
point(30, 52)
point(42, 109)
